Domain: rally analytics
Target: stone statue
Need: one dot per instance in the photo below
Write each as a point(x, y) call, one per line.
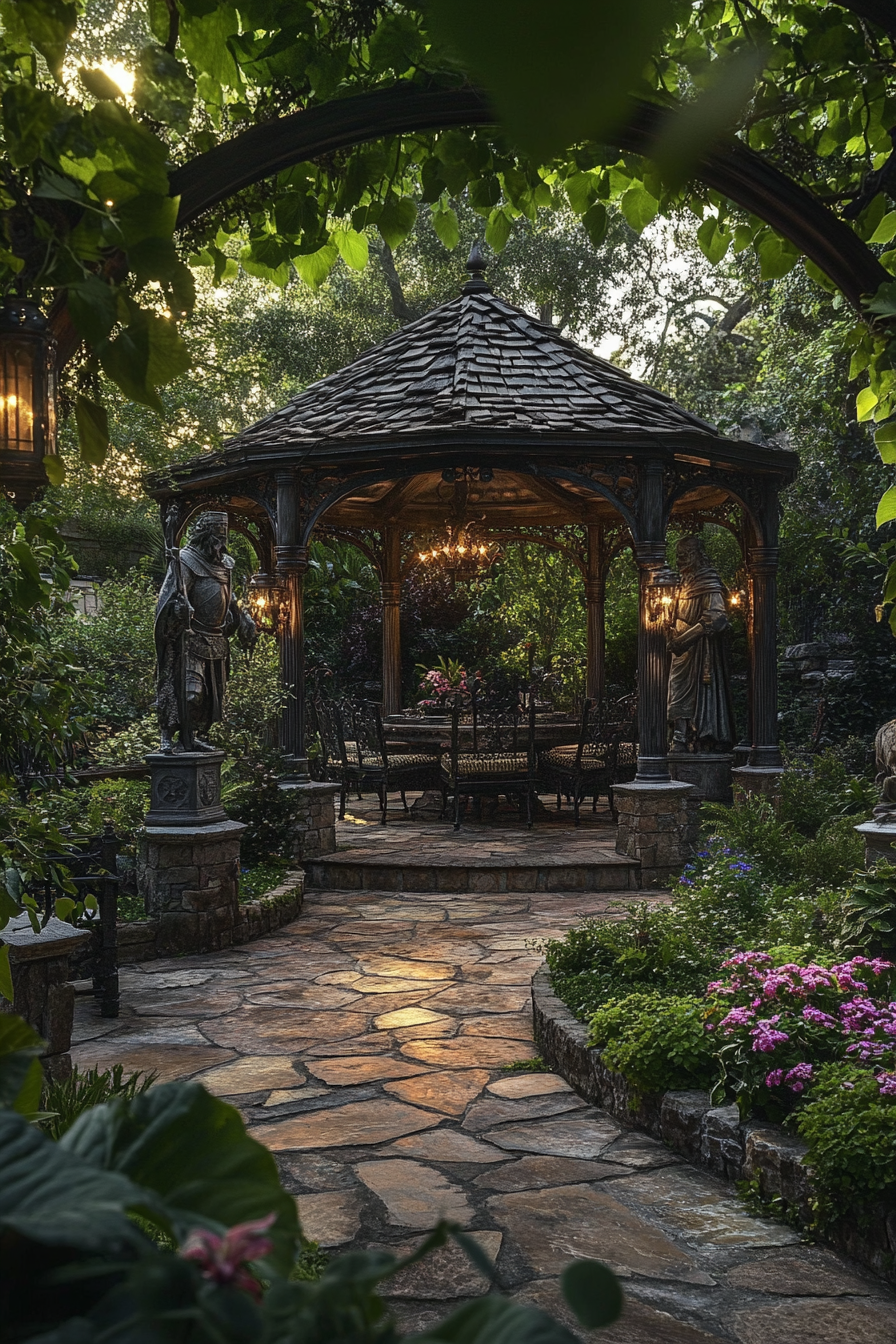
point(699, 705)
point(195, 616)
point(885, 760)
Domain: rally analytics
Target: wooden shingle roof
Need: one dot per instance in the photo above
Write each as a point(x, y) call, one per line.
point(475, 363)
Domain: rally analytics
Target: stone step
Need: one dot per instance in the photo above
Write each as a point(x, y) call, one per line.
point(374, 871)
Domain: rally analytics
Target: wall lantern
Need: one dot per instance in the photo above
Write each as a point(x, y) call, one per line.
point(662, 591)
point(27, 399)
point(739, 596)
point(267, 603)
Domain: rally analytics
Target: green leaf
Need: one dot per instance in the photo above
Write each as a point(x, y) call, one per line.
point(145, 355)
point(581, 190)
point(93, 308)
point(883, 304)
point(98, 83)
point(29, 114)
point(396, 44)
point(885, 439)
point(20, 1047)
point(689, 134)
point(886, 229)
point(397, 217)
point(314, 267)
point(497, 1320)
point(593, 1292)
point(136, 152)
point(446, 226)
point(163, 88)
point(204, 39)
point(596, 222)
point(93, 438)
point(54, 468)
point(193, 1151)
point(866, 401)
point(713, 241)
point(353, 248)
point(638, 206)
point(776, 257)
point(50, 24)
point(6, 985)
point(497, 230)
point(886, 509)
point(556, 77)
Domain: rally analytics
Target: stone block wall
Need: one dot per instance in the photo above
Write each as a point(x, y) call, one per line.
point(189, 879)
point(147, 939)
point(42, 994)
point(314, 828)
point(658, 826)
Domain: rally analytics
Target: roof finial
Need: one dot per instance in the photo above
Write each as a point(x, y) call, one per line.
point(476, 265)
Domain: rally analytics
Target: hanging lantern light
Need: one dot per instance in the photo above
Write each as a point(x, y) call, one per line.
point(464, 553)
point(27, 399)
point(662, 591)
point(266, 603)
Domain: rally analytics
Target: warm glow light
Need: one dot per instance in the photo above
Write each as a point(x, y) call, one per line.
point(120, 75)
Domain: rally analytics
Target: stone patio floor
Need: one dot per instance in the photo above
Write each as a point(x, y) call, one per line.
point(367, 1044)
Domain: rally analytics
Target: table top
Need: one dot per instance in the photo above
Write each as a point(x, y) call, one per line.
point(434, 732)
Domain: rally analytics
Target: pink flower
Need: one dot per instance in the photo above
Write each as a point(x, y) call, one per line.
point(818, 1018)
point(223, 1259)
point(775, 1078)
point(797, 1077)
point(738, 1017)
point(886, 1083)
point(765, 1037)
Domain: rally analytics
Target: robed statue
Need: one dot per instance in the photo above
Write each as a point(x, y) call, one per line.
point(195, 617)
point(697, 635)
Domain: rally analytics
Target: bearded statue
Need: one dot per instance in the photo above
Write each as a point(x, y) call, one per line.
point(697, 633)
point(195, 617)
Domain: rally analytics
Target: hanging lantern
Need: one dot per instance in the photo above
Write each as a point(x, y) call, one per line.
point(462, 553)
point(662, 591)
point(266, 603)
point(27, 399)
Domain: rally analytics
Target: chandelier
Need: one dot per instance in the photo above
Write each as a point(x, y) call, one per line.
point(463, 552)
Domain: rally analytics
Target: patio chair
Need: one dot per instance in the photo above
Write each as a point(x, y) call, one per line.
point(370, 764)
point(605, 754)
point(502, 760)
point(333, 761)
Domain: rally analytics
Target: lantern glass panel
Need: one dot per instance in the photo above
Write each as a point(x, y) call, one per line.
point(17, 378)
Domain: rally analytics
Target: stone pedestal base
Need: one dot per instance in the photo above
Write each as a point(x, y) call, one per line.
point(880, 841)
point(314, 828)
point(747, 779)
point(186, 789)
point(189, 879)
point(657, 827)
point(709, 772)
point(42, 993)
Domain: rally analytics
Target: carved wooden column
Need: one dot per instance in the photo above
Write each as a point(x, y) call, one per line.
point(390, 596)
point(292, 563)
point(762, 567)
point(595, 630)
point(653, 658)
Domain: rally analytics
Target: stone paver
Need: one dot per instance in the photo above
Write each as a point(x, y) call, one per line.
point(365, 1045)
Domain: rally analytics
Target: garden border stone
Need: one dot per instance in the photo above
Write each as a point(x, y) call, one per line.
point(712, 1137)
point(147, 939)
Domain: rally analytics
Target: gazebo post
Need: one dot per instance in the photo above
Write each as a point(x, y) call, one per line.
point(762, 566)
point(292, 564)
point(595, 629)
point(390, 597)
point(655, 811)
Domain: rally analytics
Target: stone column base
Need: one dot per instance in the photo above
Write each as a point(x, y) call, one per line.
point(42, 993)
point(189, 880)
point(762, 779)
point(880, 841)
point(657, 827)
point(314, 827)
point(708, 771)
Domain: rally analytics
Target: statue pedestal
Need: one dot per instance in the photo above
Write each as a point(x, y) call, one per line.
point(708, 771)
point(764, 779)
point(186, 789)
point(880, 841)
point(314, 818)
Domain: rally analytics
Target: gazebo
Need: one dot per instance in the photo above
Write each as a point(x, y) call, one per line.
point(556, 446)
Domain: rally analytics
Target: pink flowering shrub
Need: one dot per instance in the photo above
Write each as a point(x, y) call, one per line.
point(775, 1025)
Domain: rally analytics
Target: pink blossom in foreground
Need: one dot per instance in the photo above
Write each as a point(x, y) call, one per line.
point(223, 1260)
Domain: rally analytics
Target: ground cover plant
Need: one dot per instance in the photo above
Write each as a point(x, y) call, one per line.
point(769, 981)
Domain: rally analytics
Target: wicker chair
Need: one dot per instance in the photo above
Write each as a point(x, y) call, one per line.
point(605, 754)
point(370, 764)
point(502, 760)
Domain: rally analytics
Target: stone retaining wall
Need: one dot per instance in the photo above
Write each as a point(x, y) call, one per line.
point(146, 939)
point(710, 1136)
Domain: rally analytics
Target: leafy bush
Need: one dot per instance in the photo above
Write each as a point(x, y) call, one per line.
point(121, 802)
point(868, 913)
point(64, 1099)
point(251, 794)
point(658, 1041)
point(130, 745)
point(254, 882)
point(850, 1127)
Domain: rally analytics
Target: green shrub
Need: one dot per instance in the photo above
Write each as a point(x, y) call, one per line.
point(868, 913)
point(251, 794)
point(850, 1128)
point(658, 1041)
point(255, 882)
point(64, 1099)
point(86, 809)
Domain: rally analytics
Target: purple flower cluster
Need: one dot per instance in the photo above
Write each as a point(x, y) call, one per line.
point(827, 1013)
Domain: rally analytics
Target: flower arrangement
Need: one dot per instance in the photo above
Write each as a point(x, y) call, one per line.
point(447, 678)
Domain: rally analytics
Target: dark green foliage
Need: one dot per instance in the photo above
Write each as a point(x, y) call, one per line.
point(868, 913)
point(252, 795)
point(851, 1130)
point(658, 1041)
point(254, 882)
point(67, 1098)
point(123, 803)
point(534, 1065)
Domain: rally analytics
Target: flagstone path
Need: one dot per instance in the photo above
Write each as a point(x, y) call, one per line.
point(367, 1045)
